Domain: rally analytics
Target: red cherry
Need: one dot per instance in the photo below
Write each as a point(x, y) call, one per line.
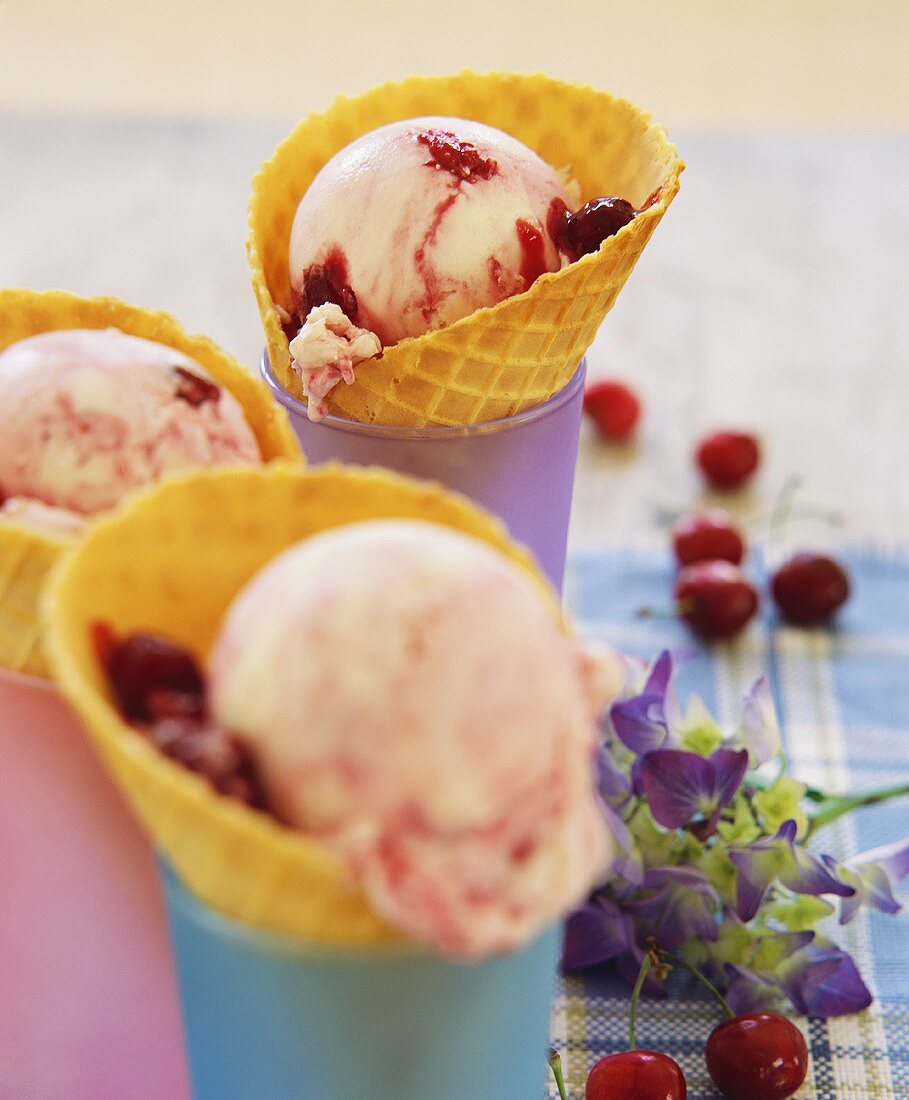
point(614, 408)
point(636, 1075)
point(209, 751)
point(462, 159)
point(707, 536)
point(716, 598)
point(760, 1056)
point(809, 588)
point(595, 221)
point(728, 459)
point(144, 667)
point(195, 390)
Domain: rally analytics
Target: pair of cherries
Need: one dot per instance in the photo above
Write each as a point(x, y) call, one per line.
point(753, 1056)
point(757, 1056)
point(717, 599)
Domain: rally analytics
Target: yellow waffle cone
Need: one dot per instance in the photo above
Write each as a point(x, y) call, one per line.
point(516, 354)
point(211, 532)
point(26, 554)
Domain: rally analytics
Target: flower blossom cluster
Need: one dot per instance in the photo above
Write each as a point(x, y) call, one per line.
point(712, 860)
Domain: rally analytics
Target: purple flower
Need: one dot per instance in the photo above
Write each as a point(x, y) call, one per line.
point(780, 859)
point(596, 932)
point(759, 732)
point(822, 980)
point(627, 859)
point(682, 785)
point(677, 903)
point(872, 875)
point(613, 783)
point(652, 718)
point(748, 991)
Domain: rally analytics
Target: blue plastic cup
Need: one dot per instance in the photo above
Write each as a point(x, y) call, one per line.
point(521, 467)
point(270, 1017)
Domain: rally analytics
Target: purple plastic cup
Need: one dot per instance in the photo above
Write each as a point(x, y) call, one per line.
point(520, 467)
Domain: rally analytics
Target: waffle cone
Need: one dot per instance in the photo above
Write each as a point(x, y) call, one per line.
point(212, 531)
point(26, 555)
point(518, 353)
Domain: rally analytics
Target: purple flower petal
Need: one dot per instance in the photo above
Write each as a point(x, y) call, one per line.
point(641, 723)
point(894, 858)
point(678, 785)
point(594, 933)
point(822, 980)
point(613, 783)
point(747, 991)
point(627, 860)
point(780, 858)
point(677, 903)
point(759, 732)
point(683, 785)
point(730, 767)
point(871, 885)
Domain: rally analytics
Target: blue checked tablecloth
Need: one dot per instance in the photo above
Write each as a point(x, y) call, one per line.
point(843, 700)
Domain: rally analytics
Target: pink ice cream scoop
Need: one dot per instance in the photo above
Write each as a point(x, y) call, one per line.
point(412, 227)
point(409, 697)
point(88, 416)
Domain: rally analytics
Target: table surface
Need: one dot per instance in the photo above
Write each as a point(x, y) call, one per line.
point(774, 295)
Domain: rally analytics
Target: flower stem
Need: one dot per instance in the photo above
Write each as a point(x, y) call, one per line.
point(832, 806)
point(635, 997)
point(555, 1064)
point(677, 960)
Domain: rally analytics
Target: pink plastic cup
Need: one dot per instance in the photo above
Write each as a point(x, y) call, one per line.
point(89, 999)
point(520, 467)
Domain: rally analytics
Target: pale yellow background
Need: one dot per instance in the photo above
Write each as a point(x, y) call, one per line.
point(838, 63)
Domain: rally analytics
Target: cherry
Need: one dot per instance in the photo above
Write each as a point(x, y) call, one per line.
point(707, 536)
point(809, 588)
point(209, 751)
point(614, 408)
point(326, 282)
point(596, 220)
point(195, 390)
point(462, 159)
point(759, 1056)
point(728, 459)
point(142, 666)
point(715, 598)
point(636, 1075)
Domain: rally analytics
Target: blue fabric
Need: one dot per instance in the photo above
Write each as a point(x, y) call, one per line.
point(843, 701)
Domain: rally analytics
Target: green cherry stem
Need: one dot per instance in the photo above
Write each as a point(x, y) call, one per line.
point(677, 960)
point(635, 997)
point(829, 807)
point(555, 1064)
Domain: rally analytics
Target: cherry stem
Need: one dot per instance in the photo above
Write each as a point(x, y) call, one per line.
point(635, 998)
point(555, 1064)
point(677, 960)
point(830, 807)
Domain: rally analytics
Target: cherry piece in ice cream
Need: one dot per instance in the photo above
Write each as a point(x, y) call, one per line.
point(194, 389)
point(462, 159)
point(327, 282)
point(533, 251)
point(143, 666)
point(596, 220)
